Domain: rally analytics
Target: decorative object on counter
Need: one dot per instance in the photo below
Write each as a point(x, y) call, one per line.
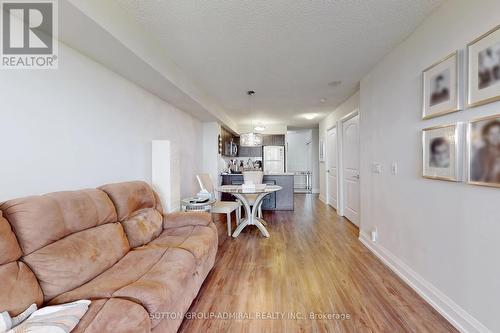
point(204, 194)
point(484, 151)
point(250, 139)
point(220, 207)
point(441, 93)
point(442, 152)
point(484, 68)
point(251, 217)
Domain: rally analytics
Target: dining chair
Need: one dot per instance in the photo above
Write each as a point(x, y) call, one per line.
point(220, 207)
point(255, 177)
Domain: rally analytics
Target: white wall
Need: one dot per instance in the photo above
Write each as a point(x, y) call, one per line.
point(315, 159)
point(351, 104)
point(443, 235)
point(212, 162)
point(299, 158)
point(83, 126)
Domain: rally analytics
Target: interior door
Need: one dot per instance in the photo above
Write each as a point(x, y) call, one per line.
point(350, 165)
point(331, 168)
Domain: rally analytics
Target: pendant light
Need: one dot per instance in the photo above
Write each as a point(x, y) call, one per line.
point(251, 139)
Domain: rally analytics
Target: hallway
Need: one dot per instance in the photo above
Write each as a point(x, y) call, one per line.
point(314, 264)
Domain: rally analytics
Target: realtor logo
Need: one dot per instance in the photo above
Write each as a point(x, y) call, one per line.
point(29, 34)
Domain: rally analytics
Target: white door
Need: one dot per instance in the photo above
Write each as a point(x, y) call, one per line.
point(331, 168)
point(350, 166)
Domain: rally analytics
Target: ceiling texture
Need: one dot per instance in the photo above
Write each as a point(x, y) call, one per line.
point(293, 53)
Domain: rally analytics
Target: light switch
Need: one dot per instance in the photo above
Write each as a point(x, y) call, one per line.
point(394, 168)
point(376, 168)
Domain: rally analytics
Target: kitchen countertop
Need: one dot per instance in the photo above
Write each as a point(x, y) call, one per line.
point(265, 174)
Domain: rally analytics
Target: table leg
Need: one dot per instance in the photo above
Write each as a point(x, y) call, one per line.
point(251, 213)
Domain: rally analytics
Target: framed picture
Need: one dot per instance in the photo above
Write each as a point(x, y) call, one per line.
point(442, 152)
point(321, 150)
point(484, 68)
point(441, 87)
point(483, 140)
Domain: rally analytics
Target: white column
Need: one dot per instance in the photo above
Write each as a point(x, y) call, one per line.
point(166, 174)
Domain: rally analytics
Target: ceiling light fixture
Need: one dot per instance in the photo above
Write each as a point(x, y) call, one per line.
point(310, 116)
point(322, 100)
point(259, 128)
point(250, 139)
point(334, 83)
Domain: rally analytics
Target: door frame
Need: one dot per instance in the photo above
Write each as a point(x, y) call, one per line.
point(340, 166)
point(327, 163)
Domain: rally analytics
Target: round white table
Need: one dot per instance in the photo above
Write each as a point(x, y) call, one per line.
point(250, 211)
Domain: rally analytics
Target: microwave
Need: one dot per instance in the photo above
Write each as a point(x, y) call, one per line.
point(231, 149)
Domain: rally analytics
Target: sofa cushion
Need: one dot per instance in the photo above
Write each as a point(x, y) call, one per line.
point(198, 240)
point(182, 219)
point(114, 315)
point(156, 278)
point(77, 258)
point(130, 197)
point(143, 226)
point(129, 269)
point(19, 288)
point(41, 220)
point(139, 210)
point(9, 247)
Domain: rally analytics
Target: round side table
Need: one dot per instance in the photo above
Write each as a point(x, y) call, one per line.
point(188, 205)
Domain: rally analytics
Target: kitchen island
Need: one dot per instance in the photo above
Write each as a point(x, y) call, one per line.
point(281, 200)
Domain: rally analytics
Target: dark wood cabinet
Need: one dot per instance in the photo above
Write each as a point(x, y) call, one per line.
point(227, 138)
point(250, 151)
point(273, 140)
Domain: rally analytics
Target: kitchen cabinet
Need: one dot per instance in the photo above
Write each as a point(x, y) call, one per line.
point(280, 200)
point(273, 140)
point(229, 141)
point(250, 151)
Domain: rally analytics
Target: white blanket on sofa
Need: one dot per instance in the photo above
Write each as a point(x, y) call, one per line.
point(52, 319)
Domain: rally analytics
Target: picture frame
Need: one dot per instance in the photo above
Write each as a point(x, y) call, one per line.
point(483, 156)
point(441, 86)
point(483, 67)
point(442, 153)
point(321, 150)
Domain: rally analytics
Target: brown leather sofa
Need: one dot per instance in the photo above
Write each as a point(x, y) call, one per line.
point(112, 245)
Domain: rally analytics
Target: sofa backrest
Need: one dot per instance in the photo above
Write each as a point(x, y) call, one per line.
point(53, 243)
point(19, 287)
point(139, 210)
point(66, 238)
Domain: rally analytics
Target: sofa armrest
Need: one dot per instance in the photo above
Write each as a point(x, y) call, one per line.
point(182, 219)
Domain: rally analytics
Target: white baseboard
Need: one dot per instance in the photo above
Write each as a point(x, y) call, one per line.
point(456, 315)
point(315, 190)
point(322, 199)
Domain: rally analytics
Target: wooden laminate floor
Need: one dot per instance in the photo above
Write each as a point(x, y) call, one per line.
point(312, 264)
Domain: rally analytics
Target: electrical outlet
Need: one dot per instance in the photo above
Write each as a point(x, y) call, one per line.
point(394, 168)
point(374, 235)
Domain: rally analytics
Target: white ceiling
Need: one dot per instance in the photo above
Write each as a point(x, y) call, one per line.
point(286, 50)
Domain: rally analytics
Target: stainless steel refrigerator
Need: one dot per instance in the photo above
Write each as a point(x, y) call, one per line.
point(274, 159)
